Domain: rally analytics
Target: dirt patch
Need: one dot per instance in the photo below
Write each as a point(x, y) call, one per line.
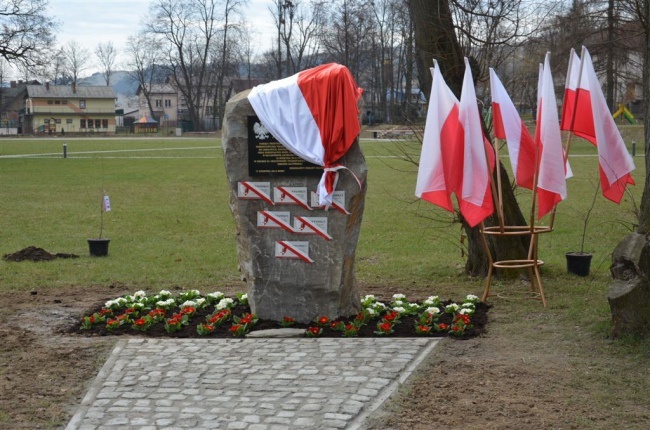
point(32, 253)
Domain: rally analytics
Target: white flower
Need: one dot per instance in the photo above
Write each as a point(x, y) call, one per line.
point(399, 309)
point(166, 304)
point(466, 311)
point(468, 305)
point(378, 306)
point(433, 311)
point(190, 303)
point(371, 311)
point(216, 296)
point(432, 301)
point(451, 308)
point(109, 304)
point(139, 294)
point(224, 304)
point(137, 305)
point(472, 298)
point(398, 303)
point(399, 296)
point(201, 302)
point(164, 294)
point(243, 297)
point(368, 298)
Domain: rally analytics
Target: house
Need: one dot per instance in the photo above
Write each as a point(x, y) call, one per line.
point(165, 106)
point(69, 109)
point(12, 104)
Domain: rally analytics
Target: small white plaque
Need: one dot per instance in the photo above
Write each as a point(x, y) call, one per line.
point(254, 191)
point(274, 219)
point(338, 201)
point(291, 196)
point(293, 250)
point(311, 225)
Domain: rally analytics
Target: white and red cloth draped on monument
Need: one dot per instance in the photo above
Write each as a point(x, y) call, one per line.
point(314, 114)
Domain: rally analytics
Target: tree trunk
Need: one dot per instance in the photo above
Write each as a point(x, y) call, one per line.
point(644, 221)
point(435, 39)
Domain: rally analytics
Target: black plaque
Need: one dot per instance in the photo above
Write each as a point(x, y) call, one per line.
point(267, 156)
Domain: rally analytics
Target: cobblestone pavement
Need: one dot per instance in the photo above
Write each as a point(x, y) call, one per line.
point(252, 384)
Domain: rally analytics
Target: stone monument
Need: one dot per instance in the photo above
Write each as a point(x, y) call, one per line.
point(296, 256)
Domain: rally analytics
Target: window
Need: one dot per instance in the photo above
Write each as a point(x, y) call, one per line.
point(57, 102)
point(158, 103)
point(50, 102)
point(46, 120)
point(82, 123)
point(98, 123)
point(57, 121)
point(168, 103)
point(64, 102)
point(90, 123)
point(82, 104)
point(104, 123)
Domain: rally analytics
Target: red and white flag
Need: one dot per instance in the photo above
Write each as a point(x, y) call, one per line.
point(592, 120)
point(314, 114)
point(440, 158)
point(551, 185)
point(453, 157)
point(509, 126)
point(475, 199)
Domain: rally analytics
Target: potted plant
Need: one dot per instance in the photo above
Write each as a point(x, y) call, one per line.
point(579, 262)
point(98, 247)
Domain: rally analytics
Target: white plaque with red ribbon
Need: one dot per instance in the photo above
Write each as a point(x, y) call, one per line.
point(311, 225)
point(274, 219)
point(293, 250)
point(254, 191)
point(291, 196)
point(338, 202)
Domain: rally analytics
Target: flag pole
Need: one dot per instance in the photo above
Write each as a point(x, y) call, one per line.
point(499, 192)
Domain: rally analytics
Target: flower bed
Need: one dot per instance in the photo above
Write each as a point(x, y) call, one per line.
point(191, 314)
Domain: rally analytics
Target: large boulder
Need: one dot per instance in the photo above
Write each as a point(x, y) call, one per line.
point(318, 277)
point(629, 293)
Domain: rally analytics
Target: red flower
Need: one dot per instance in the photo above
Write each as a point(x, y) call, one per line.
point(140, 322)
point(129, 311)
point(443, 326)
point(391, 316)
point(289, 320)
point(424, 328)
point(385, 327)
point(235, 328)
point(323, 320)
point(314, 330)
point(349, 326)
point(188, 310)
point(246, 319)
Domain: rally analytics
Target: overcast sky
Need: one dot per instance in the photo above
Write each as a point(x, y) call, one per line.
point(91, 22)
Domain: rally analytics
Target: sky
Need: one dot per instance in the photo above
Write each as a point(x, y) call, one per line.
point(90, 22)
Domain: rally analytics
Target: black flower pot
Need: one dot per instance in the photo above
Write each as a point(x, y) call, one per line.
point(98, 247)
point(578, 263)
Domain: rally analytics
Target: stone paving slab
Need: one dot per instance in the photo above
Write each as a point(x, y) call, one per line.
point(252, 384)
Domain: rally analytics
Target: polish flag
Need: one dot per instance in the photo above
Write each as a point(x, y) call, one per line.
point(440, 158)
point(475, 199)
point(551, 185)
point(453, 157)
point(571, 92)
point(509, 126)
point(314, 114)
point(593, 121)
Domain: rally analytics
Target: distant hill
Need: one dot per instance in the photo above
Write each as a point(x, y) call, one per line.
point(121, 81)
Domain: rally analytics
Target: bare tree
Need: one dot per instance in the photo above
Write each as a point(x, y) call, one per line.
point(186, 29)
point(76, 59)
point(106, 55)
point(144, 63)
point(26, 31)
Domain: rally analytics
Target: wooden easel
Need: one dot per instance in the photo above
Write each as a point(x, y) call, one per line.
point(531, 262)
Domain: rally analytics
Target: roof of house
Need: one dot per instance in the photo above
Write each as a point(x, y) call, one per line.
point(158, 89)
point(66, 91)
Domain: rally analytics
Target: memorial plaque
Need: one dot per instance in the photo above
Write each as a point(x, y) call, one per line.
point(268, 157)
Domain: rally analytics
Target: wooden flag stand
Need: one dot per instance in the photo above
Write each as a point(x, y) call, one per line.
point(531, 262)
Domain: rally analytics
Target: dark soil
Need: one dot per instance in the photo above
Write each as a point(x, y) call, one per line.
point(405, 328)
point(32, 253)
